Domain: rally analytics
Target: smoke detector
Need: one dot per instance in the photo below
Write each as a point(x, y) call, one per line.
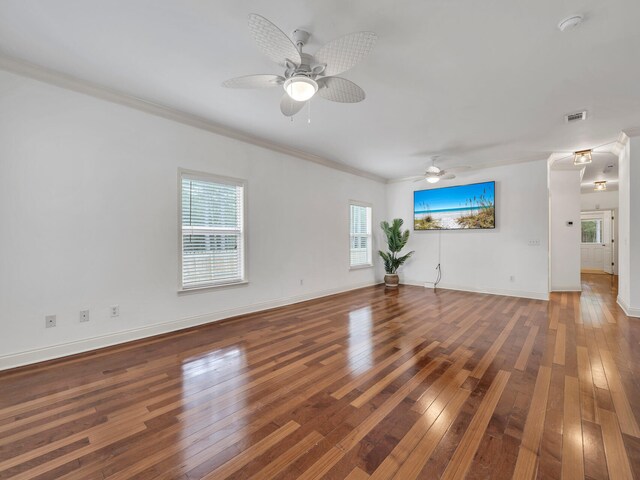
point(570, 22)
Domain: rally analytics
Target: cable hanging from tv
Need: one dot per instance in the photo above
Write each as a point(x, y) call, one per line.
point(439, 266)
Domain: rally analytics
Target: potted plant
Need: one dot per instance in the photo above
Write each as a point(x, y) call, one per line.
point(396, 240)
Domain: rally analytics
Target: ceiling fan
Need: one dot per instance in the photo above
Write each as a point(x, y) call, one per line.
point(306, 75)
point(434, 174)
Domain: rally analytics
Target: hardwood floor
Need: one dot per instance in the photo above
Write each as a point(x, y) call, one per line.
point(369, 384)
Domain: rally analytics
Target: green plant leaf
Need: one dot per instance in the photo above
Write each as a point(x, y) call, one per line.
point(396, 241)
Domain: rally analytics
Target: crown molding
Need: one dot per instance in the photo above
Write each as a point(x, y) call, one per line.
point(68, 82)
point(629, 132)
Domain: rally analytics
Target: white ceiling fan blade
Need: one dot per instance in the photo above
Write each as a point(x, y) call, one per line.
point(340, 90)
point(272, 41)
point(419, 179)
point(289, 107)
point(450, 176)
point(345, 52)
point(254, 81)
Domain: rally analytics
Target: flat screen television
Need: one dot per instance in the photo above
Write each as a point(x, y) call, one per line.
point(462, 207)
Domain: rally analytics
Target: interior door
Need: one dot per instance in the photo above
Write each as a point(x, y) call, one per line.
point(596, 248)
point(607, 247)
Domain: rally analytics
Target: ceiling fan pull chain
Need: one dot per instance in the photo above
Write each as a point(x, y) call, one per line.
point(309, 112)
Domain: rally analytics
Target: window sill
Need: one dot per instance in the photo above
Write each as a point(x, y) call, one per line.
point(208, 288)
point(361, 267)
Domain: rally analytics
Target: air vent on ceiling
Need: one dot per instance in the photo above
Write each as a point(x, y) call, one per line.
point(576, 117)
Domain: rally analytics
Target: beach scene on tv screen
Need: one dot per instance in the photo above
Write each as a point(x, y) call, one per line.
point(453, 208)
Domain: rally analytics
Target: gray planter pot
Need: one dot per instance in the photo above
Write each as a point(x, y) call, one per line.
point(392, 280)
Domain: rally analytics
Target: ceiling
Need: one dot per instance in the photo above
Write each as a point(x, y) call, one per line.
point(603, 166)
point(479, 83)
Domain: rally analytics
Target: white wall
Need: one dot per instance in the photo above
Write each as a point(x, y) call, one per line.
point(88, 201)
point(485, 260)
point(607, 200)
point(629, 227)
point(564, 206)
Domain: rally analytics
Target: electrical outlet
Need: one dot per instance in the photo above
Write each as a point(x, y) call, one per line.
point(301, 281)
point(115, 310)
point(50, 321)
point(84, 315)
point(534, 243)
point(512, 278)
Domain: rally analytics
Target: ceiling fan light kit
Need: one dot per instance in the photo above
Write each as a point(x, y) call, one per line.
point(306, 75)
point(300, 88)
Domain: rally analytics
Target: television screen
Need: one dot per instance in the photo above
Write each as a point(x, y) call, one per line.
point(454, 208)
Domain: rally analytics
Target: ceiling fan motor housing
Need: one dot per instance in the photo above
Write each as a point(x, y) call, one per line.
point(300, 37)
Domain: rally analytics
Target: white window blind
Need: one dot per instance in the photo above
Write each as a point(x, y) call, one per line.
point(360, 231)
point(212, 217)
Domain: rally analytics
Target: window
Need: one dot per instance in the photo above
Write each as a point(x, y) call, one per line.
point(212, 230)
point(360, 232)
point(591, 231)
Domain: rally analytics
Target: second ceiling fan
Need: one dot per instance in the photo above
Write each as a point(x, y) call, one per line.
point(434, 174)
point(306, 75)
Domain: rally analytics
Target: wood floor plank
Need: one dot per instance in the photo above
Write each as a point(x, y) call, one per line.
point(560, 345)
point(627, 419)
point(490, 355)
point(572, 447)
point(357, 474)
point(526, 465)
point(523, 358)
point(284, 460)
point(380, 385)
point(617, 460)
point(373, 383)
point(467, 448)
point(411, 468)
point(255, 450)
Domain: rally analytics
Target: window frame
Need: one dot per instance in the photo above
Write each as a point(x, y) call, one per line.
point(209, 177)
point(599, 229)
point(370, 207)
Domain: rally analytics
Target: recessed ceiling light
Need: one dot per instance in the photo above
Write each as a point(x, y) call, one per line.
point(570, 22)
point(600, 186)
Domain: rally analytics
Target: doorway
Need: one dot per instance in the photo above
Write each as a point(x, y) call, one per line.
point(597, 242)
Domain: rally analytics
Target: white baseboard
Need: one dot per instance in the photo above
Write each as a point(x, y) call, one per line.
point(567, 288)
point(487, 290)
point(629, 311)
point(71, 348)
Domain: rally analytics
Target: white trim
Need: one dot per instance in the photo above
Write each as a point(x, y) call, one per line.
point(360, 267)
point(368, 205)
point(361, 204)
point(208, 288)
point(489, 291)
point(629, 312)
point(209, 177)
point(68, 82)
point(65, 349)
point(569, 288)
